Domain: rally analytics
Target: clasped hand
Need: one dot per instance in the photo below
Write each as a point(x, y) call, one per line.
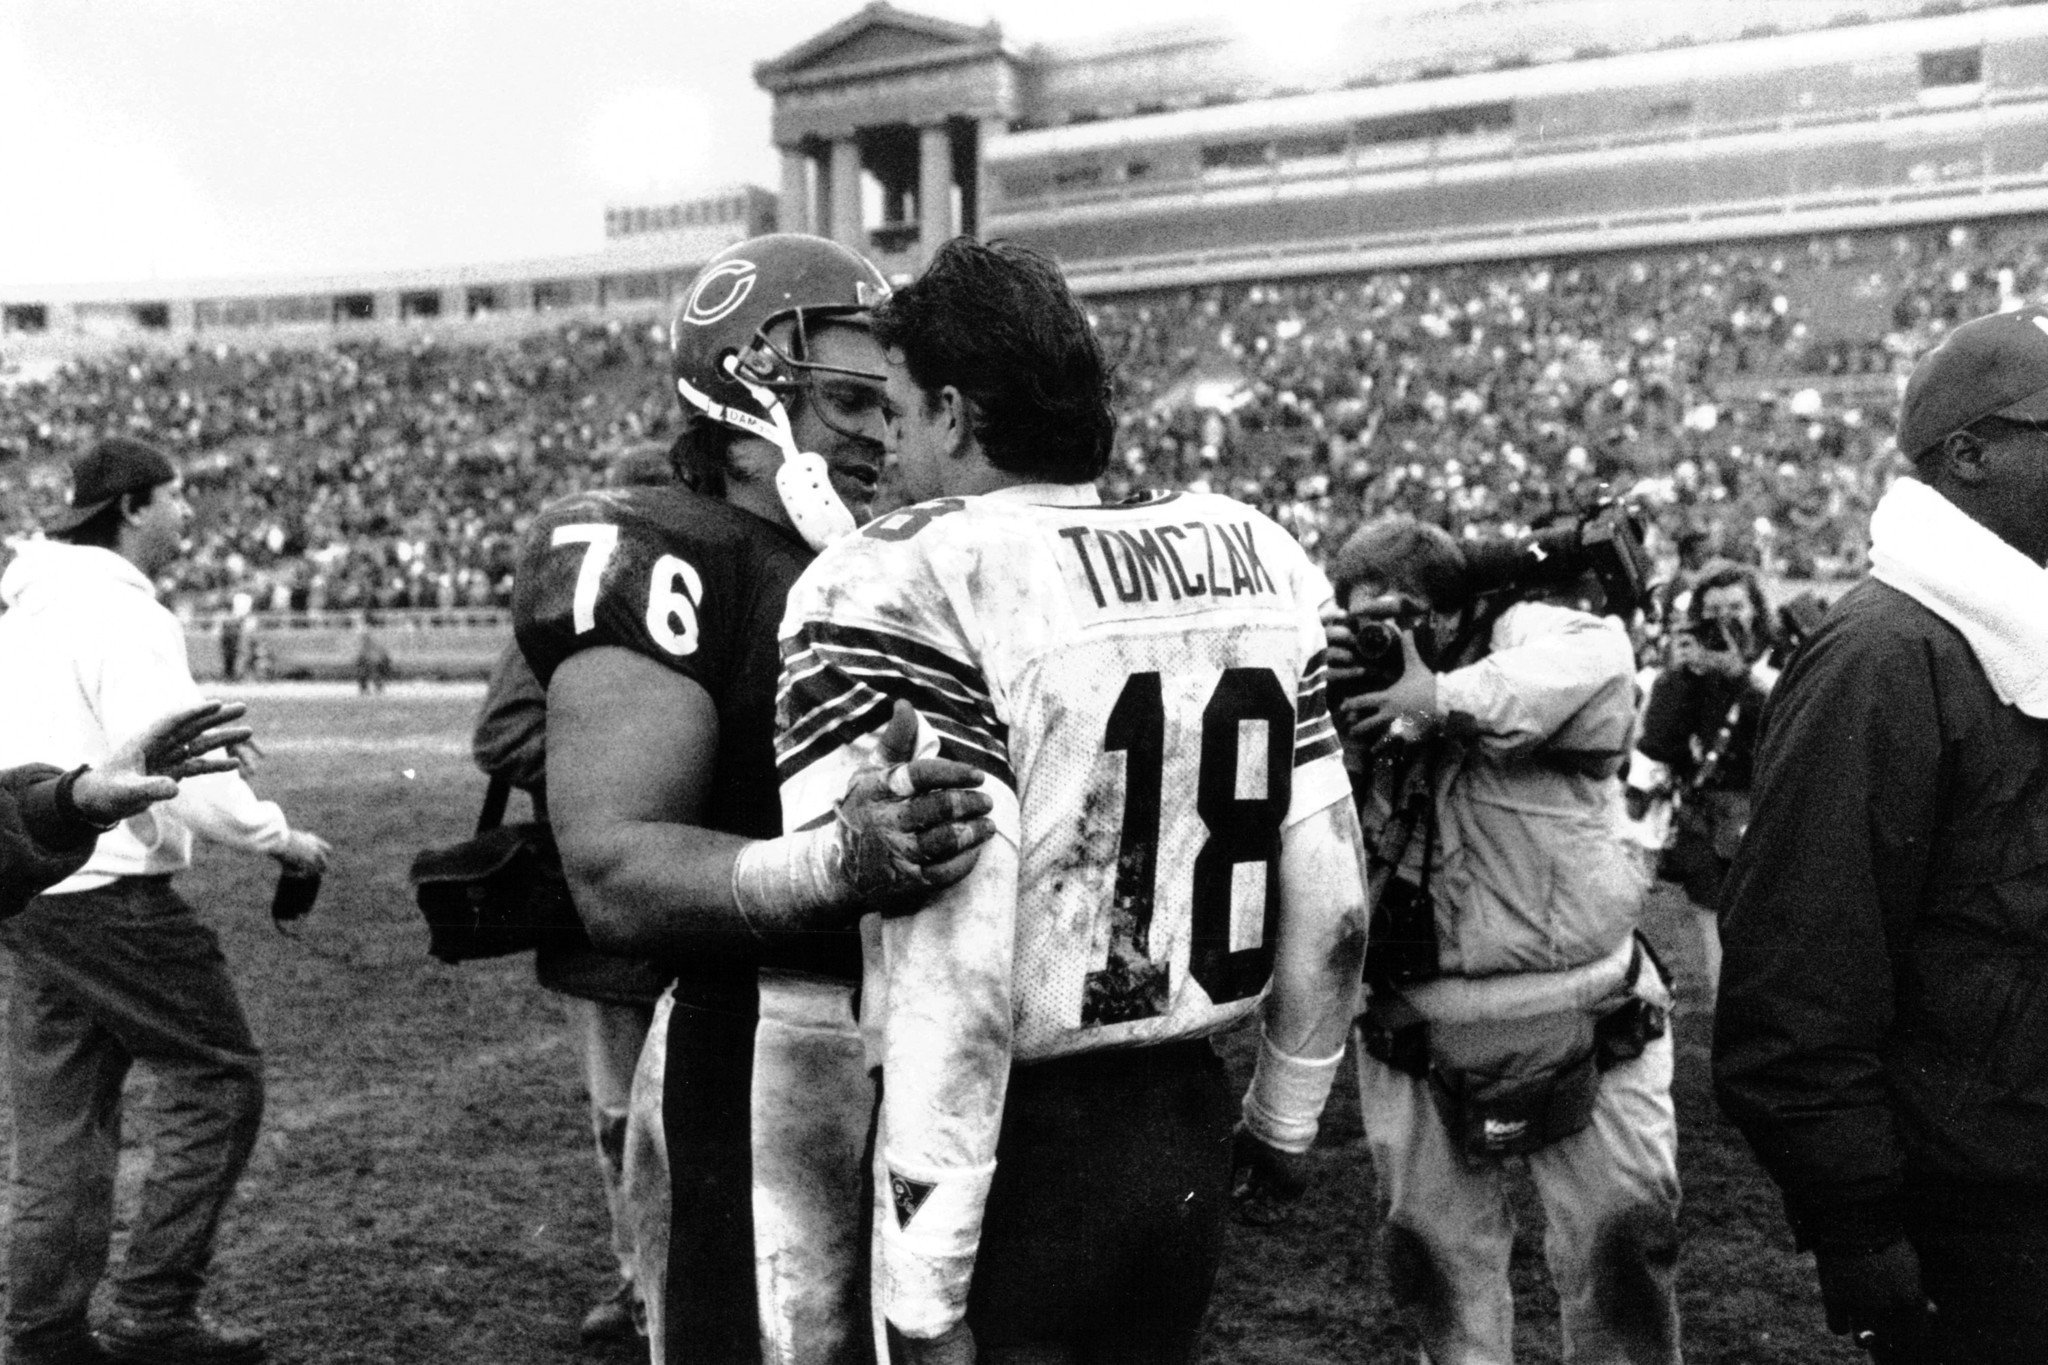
point(910, 825)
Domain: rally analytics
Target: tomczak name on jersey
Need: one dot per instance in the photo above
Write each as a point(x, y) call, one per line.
point(1172, 560)
point(1145, 679)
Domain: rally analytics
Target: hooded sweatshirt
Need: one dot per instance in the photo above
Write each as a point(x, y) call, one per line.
point(89, 658)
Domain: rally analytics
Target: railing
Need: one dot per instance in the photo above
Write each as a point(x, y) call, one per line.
point(382, 620)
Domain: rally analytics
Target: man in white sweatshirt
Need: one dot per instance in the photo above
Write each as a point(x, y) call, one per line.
point(111, 965)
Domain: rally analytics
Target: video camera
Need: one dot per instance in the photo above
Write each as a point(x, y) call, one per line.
point(1604, 541)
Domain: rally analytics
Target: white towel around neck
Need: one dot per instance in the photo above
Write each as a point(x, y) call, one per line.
point(1944, 559)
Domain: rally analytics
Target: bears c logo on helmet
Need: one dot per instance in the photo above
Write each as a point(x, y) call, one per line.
point(723, 289)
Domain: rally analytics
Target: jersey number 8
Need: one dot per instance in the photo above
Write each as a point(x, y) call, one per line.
point(1240, 830)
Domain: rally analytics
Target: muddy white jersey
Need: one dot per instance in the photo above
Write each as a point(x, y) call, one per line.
point(1142, 684)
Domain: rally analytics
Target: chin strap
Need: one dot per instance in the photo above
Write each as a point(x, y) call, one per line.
point(802, 481)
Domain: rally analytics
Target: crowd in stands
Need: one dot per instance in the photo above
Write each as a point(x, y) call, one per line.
point(1735, 391)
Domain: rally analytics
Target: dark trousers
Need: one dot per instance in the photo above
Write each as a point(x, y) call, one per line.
point(1104, 1225)
point(711, 1303)
point(103, 979)
point(1984, 1262)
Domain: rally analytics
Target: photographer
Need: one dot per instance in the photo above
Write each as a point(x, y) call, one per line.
point(1701, 723)
point(1511, 1010)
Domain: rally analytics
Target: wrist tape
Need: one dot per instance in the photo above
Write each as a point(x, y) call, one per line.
point(1287, 1095)
point(775, 882)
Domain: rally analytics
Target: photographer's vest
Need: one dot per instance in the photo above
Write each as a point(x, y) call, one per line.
point(1502, 960)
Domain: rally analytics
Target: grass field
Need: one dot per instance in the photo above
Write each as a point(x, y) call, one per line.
point(425, 1190)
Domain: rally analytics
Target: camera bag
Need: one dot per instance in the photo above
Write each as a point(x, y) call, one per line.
point(498, 893)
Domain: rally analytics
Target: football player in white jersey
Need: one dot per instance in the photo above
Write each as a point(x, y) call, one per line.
point(1142, 686)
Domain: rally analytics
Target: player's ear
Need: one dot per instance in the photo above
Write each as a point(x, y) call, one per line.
point(956, 426)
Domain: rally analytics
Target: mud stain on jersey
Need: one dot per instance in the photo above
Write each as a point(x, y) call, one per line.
point(1129, 985)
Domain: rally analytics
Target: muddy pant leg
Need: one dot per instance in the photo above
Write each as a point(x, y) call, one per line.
point(1447, 1229)
point(1610, 1195)
point(611, 1036)
point(813, 1109)
point(644, 1179)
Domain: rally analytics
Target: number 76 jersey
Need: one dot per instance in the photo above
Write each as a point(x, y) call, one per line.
point(1142, 683)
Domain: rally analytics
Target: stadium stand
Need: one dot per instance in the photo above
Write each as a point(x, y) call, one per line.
point(1743, 392)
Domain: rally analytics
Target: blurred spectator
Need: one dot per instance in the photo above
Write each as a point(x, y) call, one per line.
point(373, 660)
point(1739, 391)
point(1700, 722)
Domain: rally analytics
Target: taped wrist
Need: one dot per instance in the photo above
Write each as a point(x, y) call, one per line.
point(777, 884)
point(1286, 1098)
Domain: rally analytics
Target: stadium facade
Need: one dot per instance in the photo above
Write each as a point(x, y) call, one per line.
point(1210, 153)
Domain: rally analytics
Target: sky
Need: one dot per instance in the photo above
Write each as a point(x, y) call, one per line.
point(193, 139)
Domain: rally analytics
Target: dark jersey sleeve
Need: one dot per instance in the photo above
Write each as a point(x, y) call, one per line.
point(644, 569)
point(39, 847)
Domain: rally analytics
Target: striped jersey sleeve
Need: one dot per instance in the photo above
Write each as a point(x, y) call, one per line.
point(1315, 736)
point(839, 680)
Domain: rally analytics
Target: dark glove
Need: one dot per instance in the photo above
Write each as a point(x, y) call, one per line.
point(1875, 1298)
point(1265, 1182)
point(910, 825)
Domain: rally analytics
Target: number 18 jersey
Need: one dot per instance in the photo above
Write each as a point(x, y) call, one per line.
point(1143, 685)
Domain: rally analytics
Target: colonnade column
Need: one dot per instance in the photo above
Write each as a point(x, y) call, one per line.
point(795, 212)
point(847, 227)
point(934, 188)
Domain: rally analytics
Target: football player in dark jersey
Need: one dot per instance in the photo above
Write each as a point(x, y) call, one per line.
point(650, 614)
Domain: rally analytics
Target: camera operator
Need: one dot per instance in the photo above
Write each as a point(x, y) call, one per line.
point(1512, 1011)
point(1700, 722)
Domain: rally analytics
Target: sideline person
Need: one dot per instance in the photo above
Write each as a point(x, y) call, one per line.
point(1140, 686)
point(1512, 1009)
point(113, 967)
point(1700, 722)
point(1882, 1039)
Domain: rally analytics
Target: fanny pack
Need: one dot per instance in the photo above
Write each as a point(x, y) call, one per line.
point(1511, 1086)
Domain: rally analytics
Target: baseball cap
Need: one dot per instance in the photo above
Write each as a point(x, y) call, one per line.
point(116, 466)
point(1994, 366)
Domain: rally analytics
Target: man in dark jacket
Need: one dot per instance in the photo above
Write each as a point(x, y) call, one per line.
point(1882, 1038)
point(50, 819)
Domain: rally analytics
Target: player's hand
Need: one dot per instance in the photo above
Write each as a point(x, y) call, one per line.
point(245, 755)
point(1265, 1182)
point(910, 825)
point(1876, 1300)
point(954, 1347)
point(1411, 701)
point(146, 769)
point(305, 853)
